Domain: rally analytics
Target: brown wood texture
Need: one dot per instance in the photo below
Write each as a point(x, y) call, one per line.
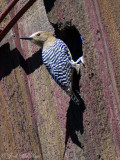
point(37, 119)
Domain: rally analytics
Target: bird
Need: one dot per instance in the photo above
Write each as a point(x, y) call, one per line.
point(58, 60)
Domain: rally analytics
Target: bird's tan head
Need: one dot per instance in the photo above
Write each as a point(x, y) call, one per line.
point(39, 38)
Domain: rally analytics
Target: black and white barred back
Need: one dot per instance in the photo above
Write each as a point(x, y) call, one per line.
point(57, 59)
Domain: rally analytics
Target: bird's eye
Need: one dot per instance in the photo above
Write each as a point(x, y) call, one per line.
point(38, 34)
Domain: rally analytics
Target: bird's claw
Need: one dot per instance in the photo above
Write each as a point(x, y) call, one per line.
point(80, 60)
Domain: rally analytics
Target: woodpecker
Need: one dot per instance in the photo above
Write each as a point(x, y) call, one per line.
point(58, 61)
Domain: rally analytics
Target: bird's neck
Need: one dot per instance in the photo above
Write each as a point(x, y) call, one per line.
point(49, 42)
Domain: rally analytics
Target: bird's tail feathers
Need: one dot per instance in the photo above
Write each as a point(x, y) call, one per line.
point(77, 67)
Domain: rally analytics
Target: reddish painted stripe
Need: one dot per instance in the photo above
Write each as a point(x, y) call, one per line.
point(108, 59)
point(94, 23)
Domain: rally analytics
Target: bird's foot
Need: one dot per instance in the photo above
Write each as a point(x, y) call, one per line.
point(80, 60)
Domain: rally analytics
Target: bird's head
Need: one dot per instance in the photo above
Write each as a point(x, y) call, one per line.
point(39, 38)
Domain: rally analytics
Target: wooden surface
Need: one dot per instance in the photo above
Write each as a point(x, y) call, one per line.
point(36, 119)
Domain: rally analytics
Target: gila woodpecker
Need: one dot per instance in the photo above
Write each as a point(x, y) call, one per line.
point(58, 61)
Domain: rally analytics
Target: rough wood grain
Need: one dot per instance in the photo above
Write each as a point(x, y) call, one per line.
point(36, 119)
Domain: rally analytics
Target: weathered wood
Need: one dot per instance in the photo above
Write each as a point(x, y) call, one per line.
point(36, 119)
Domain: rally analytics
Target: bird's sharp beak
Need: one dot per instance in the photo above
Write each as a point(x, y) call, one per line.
point(26, 38)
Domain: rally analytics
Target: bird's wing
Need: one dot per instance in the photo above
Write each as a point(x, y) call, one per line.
point(57, 60)
point(62, 71)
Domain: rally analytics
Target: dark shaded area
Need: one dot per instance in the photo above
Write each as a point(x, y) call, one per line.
point(99, 157)
point(10, 60)
point(91, 76)
point(49, 4)
point(71, 36)
point(74, 123)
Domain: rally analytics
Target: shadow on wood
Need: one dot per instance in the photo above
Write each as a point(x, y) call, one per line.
point(10, 60)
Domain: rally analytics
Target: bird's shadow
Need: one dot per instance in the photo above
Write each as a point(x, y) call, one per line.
point(10, 60)
point(74, 122)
